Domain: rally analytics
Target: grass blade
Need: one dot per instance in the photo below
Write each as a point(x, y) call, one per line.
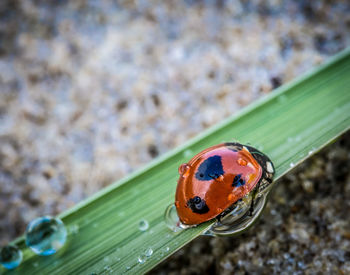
point(290, 124)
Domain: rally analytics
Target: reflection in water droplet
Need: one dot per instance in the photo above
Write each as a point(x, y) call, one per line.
point(167, 248)
point(149, 252)
point(143, 225)
point(291, 164)
point(141, 259)
point(46, 235)
point(172, 219)
point(10, 256)
point(239, 219)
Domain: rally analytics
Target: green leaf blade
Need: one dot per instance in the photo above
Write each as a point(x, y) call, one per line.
point(298, 118)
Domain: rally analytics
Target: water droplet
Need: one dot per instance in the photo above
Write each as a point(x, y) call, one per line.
point(242, 162)
point(143, 225)
point(184, 169)
point(172, 219)
point(282, 98)
point(167, 248)
point(121, 214)
point(188, 153)
point(117, 259)
point(141, 259)
point(10, 256)
point(149, 252)
point(46, 235)
point(237, 221)
point(127, 267)
point(107, 268)
point(106, 259)
point(310, 152)
point(291, 164)
point(74, 229)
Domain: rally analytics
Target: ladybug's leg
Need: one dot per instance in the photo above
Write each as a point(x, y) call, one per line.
point(251, 209)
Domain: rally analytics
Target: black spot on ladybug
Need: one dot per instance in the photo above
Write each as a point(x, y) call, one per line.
point(238, 181)
point(210, 169)
point(198, 205)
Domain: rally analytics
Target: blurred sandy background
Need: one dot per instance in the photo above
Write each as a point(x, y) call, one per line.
point(92, 90)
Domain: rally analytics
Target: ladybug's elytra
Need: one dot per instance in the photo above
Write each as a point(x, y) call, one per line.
point(216, 178)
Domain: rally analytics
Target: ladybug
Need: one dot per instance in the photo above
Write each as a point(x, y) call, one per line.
point(215, 179)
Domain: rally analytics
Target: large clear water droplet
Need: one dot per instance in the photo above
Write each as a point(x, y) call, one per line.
point(172, 220)
point(240, 218)
point(10, 256)
point(46, 235)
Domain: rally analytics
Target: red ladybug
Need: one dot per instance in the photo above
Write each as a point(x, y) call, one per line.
point(213, 180)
